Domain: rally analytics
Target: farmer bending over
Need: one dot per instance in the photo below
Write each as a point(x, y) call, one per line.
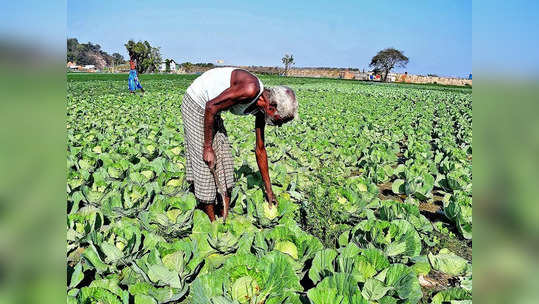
point(132, 81)
point(210, 164)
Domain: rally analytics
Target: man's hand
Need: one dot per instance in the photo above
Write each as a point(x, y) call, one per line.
point(209, 157)
point(272, 200)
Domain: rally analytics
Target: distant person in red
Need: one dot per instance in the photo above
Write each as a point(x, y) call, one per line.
point(132, 81)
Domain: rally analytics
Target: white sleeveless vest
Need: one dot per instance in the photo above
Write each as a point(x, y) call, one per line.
point(212, 83)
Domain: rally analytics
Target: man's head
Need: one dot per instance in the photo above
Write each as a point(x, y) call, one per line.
point(281, 105)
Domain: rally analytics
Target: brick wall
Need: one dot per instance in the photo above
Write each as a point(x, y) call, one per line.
point(431, 79)
point(345, 74)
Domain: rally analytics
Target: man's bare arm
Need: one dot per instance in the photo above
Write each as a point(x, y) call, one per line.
point(262, 156)
point(225, 100)
point(228, 98)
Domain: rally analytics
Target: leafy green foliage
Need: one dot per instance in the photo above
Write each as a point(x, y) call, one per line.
point(448, 262)
point(452, 295)
point(148, 58)
point(90, 54)
point(350, 225)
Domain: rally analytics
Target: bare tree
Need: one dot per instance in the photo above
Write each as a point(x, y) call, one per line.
point(387, 59)
point(98, 60)
point(288, 60)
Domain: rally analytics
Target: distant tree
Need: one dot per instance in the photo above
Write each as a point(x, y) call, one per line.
point(117, 58)
point(87, 53)
point(77, 52)
point(187, 66)
point(167, 65)
point(97, 60)
point(148, 58)
point(154, 61)
point(288, 60)
point(386, 60)
point(72, 49)
point(205, 65)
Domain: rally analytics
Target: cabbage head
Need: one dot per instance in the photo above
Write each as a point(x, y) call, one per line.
point(270, 211)
point(244, 289)
point(288, 248)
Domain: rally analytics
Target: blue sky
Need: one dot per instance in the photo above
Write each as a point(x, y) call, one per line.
point(437, 37)
point(506, 37)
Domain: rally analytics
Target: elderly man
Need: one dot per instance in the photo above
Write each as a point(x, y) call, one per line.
point(210, 164)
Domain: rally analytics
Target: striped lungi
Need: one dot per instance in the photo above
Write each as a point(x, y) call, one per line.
point(198, 171)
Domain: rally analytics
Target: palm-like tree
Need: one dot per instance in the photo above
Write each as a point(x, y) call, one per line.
point(287, 60)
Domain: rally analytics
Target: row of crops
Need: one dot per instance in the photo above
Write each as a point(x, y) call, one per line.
point(374, 187)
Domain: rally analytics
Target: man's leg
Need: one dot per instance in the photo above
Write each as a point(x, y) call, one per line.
point(226, 204)
point(224, 171)
point(210, 211)
point(197, 170)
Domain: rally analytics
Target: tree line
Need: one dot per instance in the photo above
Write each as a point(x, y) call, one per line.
point(382, 63)
point(91, 54)
point(148, 58)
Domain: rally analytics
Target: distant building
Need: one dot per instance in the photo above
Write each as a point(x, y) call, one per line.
point(163, 66)
point(86, 68)
point(73, 66)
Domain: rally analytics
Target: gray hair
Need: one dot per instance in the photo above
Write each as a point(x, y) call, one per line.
point(284, 99)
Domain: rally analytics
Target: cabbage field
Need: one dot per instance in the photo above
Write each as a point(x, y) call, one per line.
point(374, 184)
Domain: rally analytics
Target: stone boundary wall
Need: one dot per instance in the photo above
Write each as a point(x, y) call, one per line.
point(432, 79)
point(298, 72)
point(345, 74)
point(356, 74)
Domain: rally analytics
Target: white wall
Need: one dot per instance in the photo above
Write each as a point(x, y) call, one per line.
point(163, 66)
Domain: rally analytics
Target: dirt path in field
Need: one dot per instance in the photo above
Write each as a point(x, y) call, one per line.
point(386, 193)
point(433, 211)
